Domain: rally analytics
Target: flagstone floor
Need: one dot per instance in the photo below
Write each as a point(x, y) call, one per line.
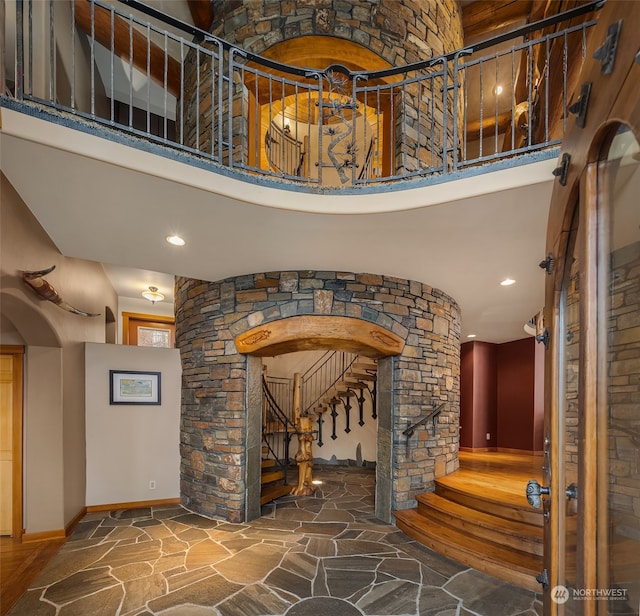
point(316, 556)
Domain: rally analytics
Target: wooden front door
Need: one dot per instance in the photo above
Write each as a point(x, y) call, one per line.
point(11, 440)
point(592, 313)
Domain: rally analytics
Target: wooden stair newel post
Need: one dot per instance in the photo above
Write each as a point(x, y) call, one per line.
point(304, 458)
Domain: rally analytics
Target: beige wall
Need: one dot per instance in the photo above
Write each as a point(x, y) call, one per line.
point(130, 445)
point(54, 414)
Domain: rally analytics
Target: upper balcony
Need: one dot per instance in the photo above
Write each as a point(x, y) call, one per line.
point(339, 119)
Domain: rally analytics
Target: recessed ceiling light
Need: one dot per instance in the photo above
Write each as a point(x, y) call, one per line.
point(471, 335)
point(498, 90)
point(507, 282)
point(176, 240)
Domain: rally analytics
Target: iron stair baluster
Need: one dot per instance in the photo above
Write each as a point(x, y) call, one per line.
point(320, 422)
point(346, 403)
point(334, 415)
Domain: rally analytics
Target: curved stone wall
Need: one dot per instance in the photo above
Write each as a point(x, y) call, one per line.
point(221, 410)
point(400, 31)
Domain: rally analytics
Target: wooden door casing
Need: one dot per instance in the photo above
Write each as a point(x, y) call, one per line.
point(132, 320)
point(11, 386)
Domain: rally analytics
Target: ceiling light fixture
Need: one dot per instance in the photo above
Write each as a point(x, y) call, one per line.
point(471, 335)
point(153, 295)
point(507, 282)
point(175, 240)
point(498, 90)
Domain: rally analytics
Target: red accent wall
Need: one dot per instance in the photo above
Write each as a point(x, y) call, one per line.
point(478, 395)
point(502, 394)
point(519, 395)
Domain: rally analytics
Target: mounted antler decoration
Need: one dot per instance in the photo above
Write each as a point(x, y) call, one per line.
point(46, 291)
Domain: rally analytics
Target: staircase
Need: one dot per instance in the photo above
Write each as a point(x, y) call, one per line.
point(487, 526)
point(272, 480)
point(338, 378)
point(348, 391)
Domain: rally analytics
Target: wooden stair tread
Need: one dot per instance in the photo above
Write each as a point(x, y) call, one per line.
point(268, 463)
point(271, 492)
point(510, 565)
point(361, 376)
point(368, 366)
point(519, 535)
point(489, 496)
point(269, 476)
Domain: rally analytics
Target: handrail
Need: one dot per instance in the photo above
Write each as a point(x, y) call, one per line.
point(581, 9)
point(275, 407)
point(432, 415)
point(332, 371)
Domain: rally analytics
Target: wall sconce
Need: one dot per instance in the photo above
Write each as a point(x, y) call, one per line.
point(153, 295)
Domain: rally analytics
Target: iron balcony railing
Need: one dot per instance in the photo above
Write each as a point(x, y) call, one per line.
point(129, 67)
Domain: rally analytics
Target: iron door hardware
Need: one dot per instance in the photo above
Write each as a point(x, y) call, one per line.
point(562, 170)
point(544, 338)
point(534, 491)
point(547, 263)
point(579, 108)
point(606, 53)
point(543, 579)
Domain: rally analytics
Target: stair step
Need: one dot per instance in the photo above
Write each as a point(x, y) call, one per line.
point(273, 491)
point(355, 384)
point(361, 376)
point(490, 499)
point(271, 476)
point(362, 365)
point(511, 565)
point(268, 463)
point(499, 530)
point(277, 427)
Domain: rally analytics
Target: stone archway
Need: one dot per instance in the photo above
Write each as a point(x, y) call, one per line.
point(323, 332)
point(221, 395)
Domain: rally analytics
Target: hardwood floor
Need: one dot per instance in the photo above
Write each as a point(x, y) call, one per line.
point(20, 563)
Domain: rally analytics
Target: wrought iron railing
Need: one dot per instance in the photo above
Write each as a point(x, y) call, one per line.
point(328, 370)
point(155, 77)
point(277, 429)
point(431, 415)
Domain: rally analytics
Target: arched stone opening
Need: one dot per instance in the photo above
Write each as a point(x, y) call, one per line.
point(334, 333)
point(221, 397)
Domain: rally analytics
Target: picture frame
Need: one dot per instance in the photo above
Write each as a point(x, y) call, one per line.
point(134, 387)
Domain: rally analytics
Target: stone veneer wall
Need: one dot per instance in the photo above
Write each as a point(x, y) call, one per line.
point(399, 31)
point(220, 427)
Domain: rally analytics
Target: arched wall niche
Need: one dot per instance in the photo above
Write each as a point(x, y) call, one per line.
point(221, 396)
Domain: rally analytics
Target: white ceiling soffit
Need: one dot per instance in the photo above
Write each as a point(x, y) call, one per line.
point(95, 206)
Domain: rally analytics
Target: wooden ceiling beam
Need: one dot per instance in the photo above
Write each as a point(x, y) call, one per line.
point(481, 19)
point(201, 13)
point(140, 48)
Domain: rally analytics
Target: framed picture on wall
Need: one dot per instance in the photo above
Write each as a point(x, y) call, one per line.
point(134, 387)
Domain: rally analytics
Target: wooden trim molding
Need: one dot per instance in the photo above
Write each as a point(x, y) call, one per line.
point(45, 535)
point(311, 332)
point(141, 316)
point(133, 505)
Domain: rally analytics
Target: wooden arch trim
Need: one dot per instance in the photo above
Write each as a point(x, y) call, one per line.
point(313, 332)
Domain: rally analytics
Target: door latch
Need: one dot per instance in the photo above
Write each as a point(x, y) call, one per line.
point(534, 492)
point(572, 491)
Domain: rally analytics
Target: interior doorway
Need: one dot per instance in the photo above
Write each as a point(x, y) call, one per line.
point(337, 392)
point(11, 386)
